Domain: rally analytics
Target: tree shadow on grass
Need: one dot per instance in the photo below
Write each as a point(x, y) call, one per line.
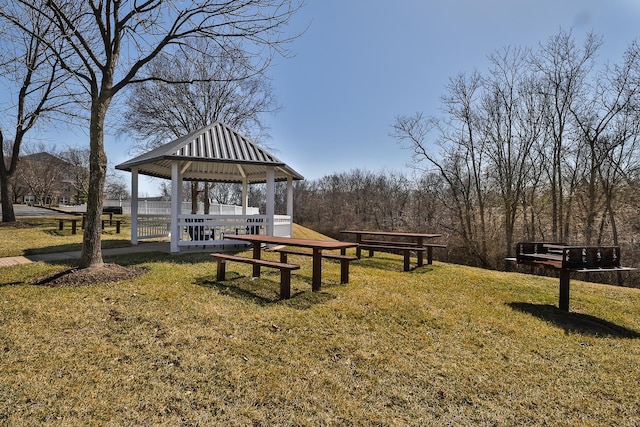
point(75, 247)
point(263, 290)
point(2, 285)
point(158, 256)
point(575, 322)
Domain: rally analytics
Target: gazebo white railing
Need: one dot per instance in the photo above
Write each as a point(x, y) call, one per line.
point(152, 226)
point(208, 230)
point(213, 229)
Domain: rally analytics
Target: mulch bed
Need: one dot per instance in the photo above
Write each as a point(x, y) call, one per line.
point(15, 224)
point(105, 273)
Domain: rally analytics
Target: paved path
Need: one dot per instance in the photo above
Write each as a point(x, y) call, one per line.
point(26, 210)
point(144, 247)
point(14, 260)
point(61, 256)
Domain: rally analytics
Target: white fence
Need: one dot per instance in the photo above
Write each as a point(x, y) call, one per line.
point(146, 207)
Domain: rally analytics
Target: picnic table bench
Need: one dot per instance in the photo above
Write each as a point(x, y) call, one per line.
point(344, 260)
point(285, 270)
point(74, 223)
point(567, 259)
point(405, 251)
point(413, 243)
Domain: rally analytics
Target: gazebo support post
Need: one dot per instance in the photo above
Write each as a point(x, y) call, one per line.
point(134, 206)
point(271, 200)
point(290, 203)
point(176, 185)
point(245, 195)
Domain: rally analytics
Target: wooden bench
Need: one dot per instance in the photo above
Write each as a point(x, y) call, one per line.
point(344, 260)
point(404, 250)
point(285, 270)
point(387, 243)
point(429, 246)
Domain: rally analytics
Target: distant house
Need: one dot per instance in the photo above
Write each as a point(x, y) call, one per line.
point(44, 179)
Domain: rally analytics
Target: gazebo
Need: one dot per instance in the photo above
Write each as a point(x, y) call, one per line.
point(215, 153)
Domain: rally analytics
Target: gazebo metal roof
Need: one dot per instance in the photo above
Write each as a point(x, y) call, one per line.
point(214, 153)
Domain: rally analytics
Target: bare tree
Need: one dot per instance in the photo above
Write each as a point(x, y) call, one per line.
point(511, 126)
point(116, 189)
point(31, 72)
point(563, 69)
point(78, 171)
point(41, 174)
point(226, 193)
point(112, 41)
point(461, 161)
point(605, 122)
point(219, 86)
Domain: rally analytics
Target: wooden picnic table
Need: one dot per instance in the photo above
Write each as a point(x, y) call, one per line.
point(73, 220)
point(416, 240)
point(317, 246)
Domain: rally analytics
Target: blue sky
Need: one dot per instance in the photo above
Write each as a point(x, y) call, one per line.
point(361, 63)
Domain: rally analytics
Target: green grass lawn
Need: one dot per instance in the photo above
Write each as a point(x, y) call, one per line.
point(42, 235)
point(440, 345)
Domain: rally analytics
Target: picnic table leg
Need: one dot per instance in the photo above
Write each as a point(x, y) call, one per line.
point(316, 279)
point(563, 303)
point(221, 270)
point(421, 254)
point(60, 224)
point(74, 226)
point(429, 255)
point(256, 255)
point(285, 284)
point(344, 271)
point(407, 260)
point(358, 250)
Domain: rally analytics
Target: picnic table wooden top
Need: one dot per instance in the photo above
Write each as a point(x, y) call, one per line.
point(392, 233)
point(290, 241)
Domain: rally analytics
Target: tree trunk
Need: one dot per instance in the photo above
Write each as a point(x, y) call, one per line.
point(194, 197)
point(8, 214)
point(207, 203)
point(92, 240)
